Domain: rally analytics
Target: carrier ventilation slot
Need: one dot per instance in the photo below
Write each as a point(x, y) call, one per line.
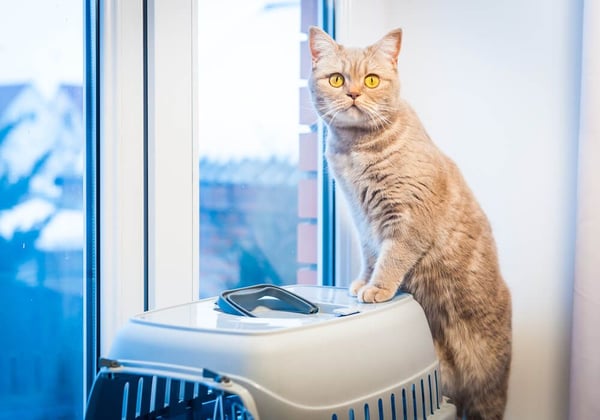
point(437, 394)
point(417, 401)
point(125, 399)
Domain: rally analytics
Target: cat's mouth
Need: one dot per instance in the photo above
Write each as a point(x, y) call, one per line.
point(351, 113)
point(352, 105)
point(363, 115)
point(355, 110)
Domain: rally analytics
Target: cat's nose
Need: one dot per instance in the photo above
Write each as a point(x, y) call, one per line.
point(353, 95)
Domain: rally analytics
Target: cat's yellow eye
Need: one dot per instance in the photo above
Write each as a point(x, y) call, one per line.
point(372, 81)
point(336, 80)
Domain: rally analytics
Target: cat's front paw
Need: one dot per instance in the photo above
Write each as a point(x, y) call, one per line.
point(355, 286)
point(373, 294)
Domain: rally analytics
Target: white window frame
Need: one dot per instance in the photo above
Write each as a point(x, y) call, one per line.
point(149, 236)
point(121, 260)
point(173, 190)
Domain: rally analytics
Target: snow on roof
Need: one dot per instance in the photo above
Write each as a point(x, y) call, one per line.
point(63, 232)
point(260, 172)
point(24, 216)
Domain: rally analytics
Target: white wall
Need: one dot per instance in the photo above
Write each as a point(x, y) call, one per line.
point(496, 84)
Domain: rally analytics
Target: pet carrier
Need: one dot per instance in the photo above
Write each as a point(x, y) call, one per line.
point(300, 352)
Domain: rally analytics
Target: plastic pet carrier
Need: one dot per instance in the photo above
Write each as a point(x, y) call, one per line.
point(263, 352)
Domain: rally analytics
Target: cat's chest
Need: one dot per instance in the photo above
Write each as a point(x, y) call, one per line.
point(348, 170)
point(347, 167)
point(351, 173)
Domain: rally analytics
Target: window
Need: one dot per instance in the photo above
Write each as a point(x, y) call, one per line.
point(41, 210)
point(257, 145)
point(160, 181)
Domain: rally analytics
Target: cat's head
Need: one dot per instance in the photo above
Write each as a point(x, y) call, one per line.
point(355, 87)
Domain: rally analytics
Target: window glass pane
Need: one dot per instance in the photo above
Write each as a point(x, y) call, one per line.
point(257, 201)
point(41, 217)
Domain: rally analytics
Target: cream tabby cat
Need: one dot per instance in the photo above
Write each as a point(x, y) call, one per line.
point(420, 226)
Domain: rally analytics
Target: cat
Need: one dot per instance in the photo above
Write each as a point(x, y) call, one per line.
point(420, 226)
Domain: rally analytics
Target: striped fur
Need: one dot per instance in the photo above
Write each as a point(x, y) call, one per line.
point(420, 226)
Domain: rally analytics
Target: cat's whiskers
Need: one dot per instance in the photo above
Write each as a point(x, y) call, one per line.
point(334, 108)
point(377, 115)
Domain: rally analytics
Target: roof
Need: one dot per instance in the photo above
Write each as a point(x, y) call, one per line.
point(8, 93)
point(263, 172)
point(74, 92)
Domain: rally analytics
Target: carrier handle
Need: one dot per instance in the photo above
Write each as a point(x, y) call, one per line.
point(244, 300)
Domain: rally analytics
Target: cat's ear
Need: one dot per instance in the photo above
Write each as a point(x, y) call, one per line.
point(390, 44)
point(320, 44)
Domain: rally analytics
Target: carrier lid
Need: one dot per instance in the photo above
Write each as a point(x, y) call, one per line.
point(332, 303)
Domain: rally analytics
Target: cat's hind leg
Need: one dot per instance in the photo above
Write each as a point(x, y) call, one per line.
point(488, 403)
point(481, 398)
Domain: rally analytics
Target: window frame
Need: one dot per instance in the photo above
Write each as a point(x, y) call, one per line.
point(120, 173)
point(172, 129)
point(91, 343)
